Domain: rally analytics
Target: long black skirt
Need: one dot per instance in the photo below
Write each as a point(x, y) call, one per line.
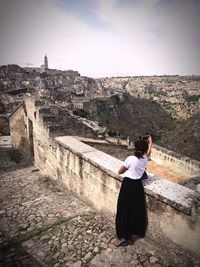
point(131, 217)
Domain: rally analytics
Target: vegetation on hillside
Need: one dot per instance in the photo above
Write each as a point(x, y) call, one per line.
point(185, 139)
point(129, 116)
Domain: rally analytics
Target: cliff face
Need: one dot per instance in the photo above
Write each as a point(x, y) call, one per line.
point(185, 139)
point(126, 116)
point(179, 95)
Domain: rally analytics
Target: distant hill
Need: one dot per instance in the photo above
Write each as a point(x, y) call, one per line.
point(126, 115)
point(186, 138)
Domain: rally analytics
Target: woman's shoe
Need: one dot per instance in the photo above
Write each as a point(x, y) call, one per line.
point(123, 244)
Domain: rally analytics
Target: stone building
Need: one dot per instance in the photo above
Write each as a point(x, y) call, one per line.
point(77, 102)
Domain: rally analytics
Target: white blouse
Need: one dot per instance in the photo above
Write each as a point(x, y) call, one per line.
point(135, 167)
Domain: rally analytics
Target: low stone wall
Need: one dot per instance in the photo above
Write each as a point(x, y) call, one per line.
point(181, 164)
point(174, 220)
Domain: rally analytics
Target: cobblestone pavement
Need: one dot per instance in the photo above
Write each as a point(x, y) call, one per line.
point(44, 225)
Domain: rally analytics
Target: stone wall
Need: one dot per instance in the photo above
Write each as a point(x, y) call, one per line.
point(181, 164)
point(174, 220)
point(19, 133)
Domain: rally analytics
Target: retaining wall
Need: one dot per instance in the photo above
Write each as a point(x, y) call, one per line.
point(183, 165)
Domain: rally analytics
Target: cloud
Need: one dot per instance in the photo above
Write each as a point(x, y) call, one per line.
point(86, 11)
point(160, 34)
point(103, 38)
point(125, 3)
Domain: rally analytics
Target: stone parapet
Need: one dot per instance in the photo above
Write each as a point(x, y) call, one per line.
point(177, 196)
point(181, 164)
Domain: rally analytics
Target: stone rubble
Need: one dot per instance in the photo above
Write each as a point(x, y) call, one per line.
point(44, 225)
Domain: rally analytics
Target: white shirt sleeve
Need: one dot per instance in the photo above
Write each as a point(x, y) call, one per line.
point(127, 163)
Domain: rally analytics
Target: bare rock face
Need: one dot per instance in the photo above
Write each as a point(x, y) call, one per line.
point(185, 139)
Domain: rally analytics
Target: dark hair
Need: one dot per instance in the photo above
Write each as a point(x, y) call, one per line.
point(141, 146)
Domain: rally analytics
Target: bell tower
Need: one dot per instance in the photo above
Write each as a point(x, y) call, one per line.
point(46, 62)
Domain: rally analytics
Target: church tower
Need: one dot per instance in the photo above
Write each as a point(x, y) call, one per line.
point(45, 66)
point(46, 62)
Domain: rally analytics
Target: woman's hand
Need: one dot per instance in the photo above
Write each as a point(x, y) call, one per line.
point(121, 170)
point(149, 140)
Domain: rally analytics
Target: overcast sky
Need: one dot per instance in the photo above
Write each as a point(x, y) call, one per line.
point(102, 38)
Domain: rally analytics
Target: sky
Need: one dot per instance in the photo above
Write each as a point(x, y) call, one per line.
point(103, 38)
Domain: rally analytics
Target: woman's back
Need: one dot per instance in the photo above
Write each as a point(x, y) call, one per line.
point(135, 167)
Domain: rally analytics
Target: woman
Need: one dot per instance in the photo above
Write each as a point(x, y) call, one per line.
point(131, 218)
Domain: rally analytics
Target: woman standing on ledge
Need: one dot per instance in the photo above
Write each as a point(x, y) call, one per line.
point(131, 217)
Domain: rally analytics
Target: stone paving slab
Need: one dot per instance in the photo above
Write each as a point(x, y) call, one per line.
point(142, 253)
point(42, 224)
point(34, 201)
point(77, 240)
